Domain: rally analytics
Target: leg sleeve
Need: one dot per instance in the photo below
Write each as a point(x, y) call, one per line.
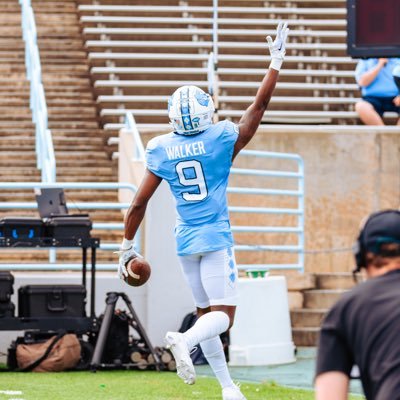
point(219, 277)
point(191, 270)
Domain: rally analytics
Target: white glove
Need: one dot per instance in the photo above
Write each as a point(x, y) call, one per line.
point(126, 252)
point(277, 47)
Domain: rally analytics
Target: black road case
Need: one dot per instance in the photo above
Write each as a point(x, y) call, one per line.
point(6, 286)
point(51, 301)
point(7, 309)
point(21, 227)
point(68, 226)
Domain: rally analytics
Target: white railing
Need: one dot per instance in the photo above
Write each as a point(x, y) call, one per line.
point(295, 228)
point(212, 67)
point(44, 144)
point(130, 125)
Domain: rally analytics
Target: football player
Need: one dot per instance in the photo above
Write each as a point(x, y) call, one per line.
point(195, 159)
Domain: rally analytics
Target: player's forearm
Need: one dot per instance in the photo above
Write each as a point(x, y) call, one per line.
point(253, 115)
point(133, 219)
point(266, 89)
point(368, 77)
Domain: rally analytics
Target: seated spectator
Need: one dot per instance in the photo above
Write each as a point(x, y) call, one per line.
point(378, 88)
point(363, 327)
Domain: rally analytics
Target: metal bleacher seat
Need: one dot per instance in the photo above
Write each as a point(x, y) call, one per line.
point(140, 53)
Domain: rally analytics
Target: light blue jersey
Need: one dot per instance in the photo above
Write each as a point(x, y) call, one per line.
point(197, 169)
point(383, 85)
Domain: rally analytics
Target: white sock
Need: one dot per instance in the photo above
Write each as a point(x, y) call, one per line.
point(214, 352)
point(206, 327)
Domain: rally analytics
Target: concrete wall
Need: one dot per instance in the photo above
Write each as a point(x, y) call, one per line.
point(348, 174)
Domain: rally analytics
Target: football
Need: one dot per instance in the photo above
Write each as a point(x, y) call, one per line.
point(138, 271)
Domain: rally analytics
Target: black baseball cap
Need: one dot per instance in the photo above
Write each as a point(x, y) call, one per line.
point(381, 227)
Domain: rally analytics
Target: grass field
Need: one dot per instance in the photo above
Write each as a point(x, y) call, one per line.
point(126, 385)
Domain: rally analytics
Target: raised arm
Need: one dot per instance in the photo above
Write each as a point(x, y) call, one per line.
point(134, 217)
point(369, 76)
point(251, 119)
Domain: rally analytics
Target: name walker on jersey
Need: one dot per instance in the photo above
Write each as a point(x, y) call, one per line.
point(185, 150)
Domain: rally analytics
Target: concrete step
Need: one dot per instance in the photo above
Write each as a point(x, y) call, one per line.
point(61, 125)
point(27, 163)
point(11, 70)
point(84, 177)
point(68, 101)
point(10, 132)
point(63, 155)
point(305, 336)
point(80, 147)
point(14, 80)
point(338, 280)
point(7, 125)
point(73, 255)
point(70, 68)
point(17, 101)
point(104, 172)
point(20, 178)
point(307, 318)
point(26, 154)
point(15, 170)
point(95, 215)
point(69, 91)
point(54, 96)
point(67, 140)
point(321, 298)
point(58, 31)
point(14, 114)
point(71, 195)
point(79, 132)
point(86, 163)
point(17, 146)
point(296, 281)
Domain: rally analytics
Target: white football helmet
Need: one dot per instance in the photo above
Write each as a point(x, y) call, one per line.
point(190, 110)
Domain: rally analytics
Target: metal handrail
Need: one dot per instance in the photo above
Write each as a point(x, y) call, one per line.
point(212, 67)
point(44, 143)
point(130, 126)
point(52, 265)
point(298, 229)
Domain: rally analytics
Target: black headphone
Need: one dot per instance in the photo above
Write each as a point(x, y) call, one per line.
point(359, 247)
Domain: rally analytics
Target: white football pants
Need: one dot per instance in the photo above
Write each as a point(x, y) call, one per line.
point(212, 277)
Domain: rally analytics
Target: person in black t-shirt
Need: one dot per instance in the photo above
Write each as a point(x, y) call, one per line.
point(363, 327)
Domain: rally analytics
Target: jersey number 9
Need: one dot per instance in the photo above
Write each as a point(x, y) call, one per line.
point(194, 168)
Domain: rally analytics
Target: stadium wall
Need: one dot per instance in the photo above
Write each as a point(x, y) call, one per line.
point(349, 172)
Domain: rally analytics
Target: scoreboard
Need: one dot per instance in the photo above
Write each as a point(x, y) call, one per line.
point(373, 28)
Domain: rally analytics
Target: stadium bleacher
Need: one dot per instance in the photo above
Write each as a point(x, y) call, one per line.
point(127, 42)
point(82, 154)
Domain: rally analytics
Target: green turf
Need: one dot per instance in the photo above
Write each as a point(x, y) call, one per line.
point(125, 385)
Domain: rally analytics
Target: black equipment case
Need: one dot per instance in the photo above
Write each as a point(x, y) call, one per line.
point(68, 226)
point(6, 286)
point(7, 309)
point(51, 301)
point(21, 227)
